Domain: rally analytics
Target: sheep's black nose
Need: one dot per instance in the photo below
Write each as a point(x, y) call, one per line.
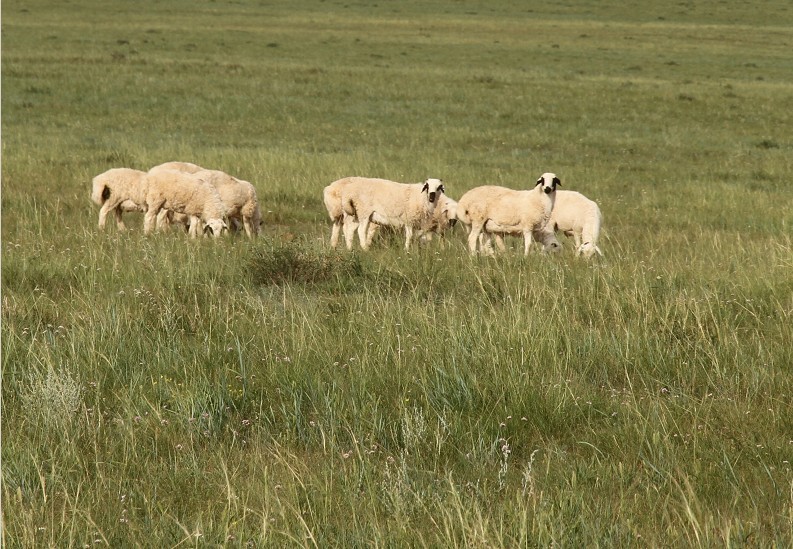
point(548, 190)
point(452, 222)
point(432, 197)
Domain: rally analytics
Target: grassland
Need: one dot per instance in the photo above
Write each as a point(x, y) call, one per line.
point(162, 392)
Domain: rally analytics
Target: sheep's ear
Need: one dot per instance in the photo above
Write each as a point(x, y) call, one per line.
point(539, 182)
point(557, 181)
point(441, 189)
point(425, 188)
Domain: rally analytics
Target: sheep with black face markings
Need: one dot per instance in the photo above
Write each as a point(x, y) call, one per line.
point(491, 209)
point(389, 203)
point(443, 217)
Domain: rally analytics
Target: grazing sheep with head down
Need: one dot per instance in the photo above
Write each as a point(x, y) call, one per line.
point(388, 203)
point(490, 209)
point(239, 198)
point(577, 216)
point(187, 194)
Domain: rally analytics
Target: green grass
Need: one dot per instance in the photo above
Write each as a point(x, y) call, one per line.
point(159, 391)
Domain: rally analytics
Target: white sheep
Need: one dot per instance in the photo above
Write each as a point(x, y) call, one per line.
point(168, 217)
point(239, 198)
point(331, 196)
point(187, 194)
point(443, 217)
point(119, 190)
point(388, 203)
point(502, 211)
point(577, 216)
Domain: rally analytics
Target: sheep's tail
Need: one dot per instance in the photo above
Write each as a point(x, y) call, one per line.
point(99, 191)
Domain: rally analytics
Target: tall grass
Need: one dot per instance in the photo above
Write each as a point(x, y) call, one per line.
point(162, 391)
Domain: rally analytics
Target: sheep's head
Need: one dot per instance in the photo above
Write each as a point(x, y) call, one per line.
point(548, 182)
point(449, 211)
point(215, 227)
point(433, 188)
point(588, 250)
point(550, 244)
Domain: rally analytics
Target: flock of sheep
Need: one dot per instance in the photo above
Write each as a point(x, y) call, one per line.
point(212, 202)
point(201, 200)
point(489, 212)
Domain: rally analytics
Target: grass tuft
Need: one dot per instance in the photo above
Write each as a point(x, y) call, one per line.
point(296, 264)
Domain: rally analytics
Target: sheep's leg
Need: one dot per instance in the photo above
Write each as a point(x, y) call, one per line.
point(151, 216)
point(370, 233)
point(577, 239)
point(335, 231)
point(247, 223)
point(195, 227)
point(408, 236)
point(527, 239)
point(119, 221)
point(500, 242)
point(473, 237)
point(486, 243)
point(349, 225)
point(363, 226)
point(256, 223)
point(106, 208)
point(164, 219)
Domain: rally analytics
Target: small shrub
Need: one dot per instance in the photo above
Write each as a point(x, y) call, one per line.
point(293, 264)
point(767, 144)
point(53, 399)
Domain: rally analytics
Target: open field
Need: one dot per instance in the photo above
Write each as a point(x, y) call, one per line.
point(164, 392)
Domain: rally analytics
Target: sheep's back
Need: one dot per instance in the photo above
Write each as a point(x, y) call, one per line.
point(182, 192)
point(485, 201)
point(233, 194)
point(187, 167)
point(377, 195)
point(126, 182)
